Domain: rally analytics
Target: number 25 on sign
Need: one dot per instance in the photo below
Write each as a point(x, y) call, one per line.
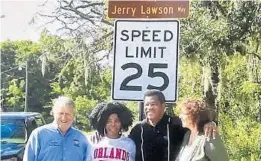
point(145, 57)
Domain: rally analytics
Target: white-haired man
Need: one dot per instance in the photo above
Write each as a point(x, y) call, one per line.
point(57, 141)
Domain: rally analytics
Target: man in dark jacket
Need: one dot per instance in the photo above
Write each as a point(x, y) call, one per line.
point(159, 136)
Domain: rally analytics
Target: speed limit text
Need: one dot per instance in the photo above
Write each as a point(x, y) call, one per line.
point(146, 36)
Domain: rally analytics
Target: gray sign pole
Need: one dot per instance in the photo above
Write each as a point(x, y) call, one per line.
point(141, 111)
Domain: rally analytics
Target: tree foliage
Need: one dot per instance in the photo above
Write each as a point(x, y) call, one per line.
point(219, 62)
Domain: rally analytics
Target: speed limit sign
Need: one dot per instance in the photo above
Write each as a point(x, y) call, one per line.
point(145, 57)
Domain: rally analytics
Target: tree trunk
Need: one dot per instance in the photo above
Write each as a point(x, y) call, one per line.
point(253, 76)
point(211, 80)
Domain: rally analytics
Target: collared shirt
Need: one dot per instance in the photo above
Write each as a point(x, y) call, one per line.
point(47, 143)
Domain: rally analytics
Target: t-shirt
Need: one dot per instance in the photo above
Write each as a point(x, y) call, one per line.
point(121, 149)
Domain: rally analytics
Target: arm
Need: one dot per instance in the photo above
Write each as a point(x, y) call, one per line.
point(178, 130)
point(133, 151)
point(89, 153)
point(32, 147)
point(177, 136)
point(135, 135)
point(215, 150)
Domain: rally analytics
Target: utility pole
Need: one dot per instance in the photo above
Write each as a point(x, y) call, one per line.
point(26, 87)
point(1, 92)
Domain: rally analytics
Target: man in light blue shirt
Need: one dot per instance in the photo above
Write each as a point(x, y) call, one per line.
point(58, 141)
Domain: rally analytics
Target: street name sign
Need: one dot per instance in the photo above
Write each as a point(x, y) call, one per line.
point(137, 9)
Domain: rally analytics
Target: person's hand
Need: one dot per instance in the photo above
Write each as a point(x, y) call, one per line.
point(95, 138)
point(210, 130)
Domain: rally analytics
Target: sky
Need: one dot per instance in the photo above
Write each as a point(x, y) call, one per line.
point(16, 15)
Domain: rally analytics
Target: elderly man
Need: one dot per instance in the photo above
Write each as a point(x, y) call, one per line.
point(57, 141)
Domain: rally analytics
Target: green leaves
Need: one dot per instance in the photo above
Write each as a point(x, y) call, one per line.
point(242, 142)
point(15, 95)
point(250, 88)
point(26, 49)
point(220, 57)
point(84, 108)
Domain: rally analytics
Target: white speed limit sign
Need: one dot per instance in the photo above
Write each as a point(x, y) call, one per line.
point(145, 57)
